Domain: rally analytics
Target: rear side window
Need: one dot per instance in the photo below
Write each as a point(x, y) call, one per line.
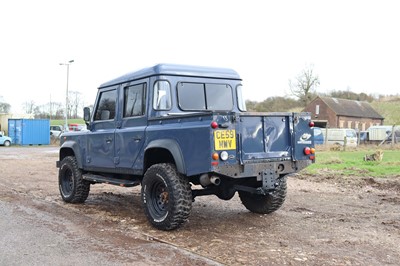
point(162, 95)
point(191, 96)
point(240, 99)
point(219, 97)
point(134, 100)
point(106, 108)
point(201, 96)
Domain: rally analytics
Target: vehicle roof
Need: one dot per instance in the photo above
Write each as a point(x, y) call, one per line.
point(342, 128)
point(176, 70)
point(380, 127)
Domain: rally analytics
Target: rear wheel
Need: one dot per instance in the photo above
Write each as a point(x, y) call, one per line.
point(166, 196)
point(265, 203)
point(73, 188)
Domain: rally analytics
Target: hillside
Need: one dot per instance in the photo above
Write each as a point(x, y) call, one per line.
point(389, 108)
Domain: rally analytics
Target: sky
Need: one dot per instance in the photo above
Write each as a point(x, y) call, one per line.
point(351, 45)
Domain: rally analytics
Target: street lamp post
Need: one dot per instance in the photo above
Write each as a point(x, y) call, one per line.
point(66, 95)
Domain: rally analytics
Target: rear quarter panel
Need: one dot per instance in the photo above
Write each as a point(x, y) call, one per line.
point(192, 134)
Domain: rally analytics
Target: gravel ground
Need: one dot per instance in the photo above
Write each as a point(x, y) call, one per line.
point(326, 220)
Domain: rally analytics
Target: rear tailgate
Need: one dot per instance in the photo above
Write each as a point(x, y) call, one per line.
point(274, 136)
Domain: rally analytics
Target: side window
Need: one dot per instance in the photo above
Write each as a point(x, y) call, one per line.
point(219, 97)
point(134, 100)
point(205, 96)
point(240, 99)
point(106, 106)
point(162, 95)
point(191, 96)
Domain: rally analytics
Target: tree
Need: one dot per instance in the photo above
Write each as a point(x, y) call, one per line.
point(251, 105)
point(75, 103)
point(304, 85)
point(273, 104)
point(349, 95)
point(29, 107)
point(4, 108)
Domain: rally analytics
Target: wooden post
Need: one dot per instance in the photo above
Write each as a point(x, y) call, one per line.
point(393, 136)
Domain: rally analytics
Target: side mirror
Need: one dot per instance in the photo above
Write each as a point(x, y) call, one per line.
point(86, 116)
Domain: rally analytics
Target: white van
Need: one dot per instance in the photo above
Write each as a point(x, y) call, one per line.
point(338, 136)
point(55, 131)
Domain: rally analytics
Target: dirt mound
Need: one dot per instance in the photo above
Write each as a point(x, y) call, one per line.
point(330, 176)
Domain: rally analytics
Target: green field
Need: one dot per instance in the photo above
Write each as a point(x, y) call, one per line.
point(390, 110)
point(351, 163)
point(70, 121)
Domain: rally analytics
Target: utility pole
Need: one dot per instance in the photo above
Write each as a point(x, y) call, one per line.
point(66, 94)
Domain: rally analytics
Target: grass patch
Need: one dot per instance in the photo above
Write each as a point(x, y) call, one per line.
point(389, 110)
point(351, 163)
point(61, 122)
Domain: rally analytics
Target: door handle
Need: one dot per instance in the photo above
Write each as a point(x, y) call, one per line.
point(108, 141)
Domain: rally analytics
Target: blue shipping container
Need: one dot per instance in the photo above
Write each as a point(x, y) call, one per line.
point(29, 131)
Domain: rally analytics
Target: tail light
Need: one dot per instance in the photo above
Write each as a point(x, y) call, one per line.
point(310, 151)
point(214, 124)
point(215, 156)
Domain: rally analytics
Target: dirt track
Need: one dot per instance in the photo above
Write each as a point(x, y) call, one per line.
point(326, 220)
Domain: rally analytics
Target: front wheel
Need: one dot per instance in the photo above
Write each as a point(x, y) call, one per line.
point(73, 188)
point(7, 143)
point(166, 196)
point(265, 204)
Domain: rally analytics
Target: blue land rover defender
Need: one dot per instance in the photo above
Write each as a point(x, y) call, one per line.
point(182, 132)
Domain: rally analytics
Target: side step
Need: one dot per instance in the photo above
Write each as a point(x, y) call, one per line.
point(109, 180)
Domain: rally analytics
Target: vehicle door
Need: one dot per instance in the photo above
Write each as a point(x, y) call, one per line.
point(130, 132)
point(100, 149)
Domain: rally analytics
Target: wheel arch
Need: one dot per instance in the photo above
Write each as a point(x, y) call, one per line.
point(164, 151)
point(71, 148)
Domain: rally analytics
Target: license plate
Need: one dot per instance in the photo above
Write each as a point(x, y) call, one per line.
point(225, 139)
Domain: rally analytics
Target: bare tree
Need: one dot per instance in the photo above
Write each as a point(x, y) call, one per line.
point(304, 85)
point(57, 110)
point(75, 102)
point(29, 107)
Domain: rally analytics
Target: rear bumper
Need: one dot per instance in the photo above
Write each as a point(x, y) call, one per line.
point(257, 169)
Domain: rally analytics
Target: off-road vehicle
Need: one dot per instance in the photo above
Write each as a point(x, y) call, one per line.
point(182, 132)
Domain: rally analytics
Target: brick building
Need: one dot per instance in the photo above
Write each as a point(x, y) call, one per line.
point(342, 113)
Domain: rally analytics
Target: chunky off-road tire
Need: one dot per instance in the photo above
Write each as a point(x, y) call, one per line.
point(166, 196)
point(73, 188)
point(265, 203)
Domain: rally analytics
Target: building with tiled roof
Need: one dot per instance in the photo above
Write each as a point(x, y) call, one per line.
point(342, 113)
